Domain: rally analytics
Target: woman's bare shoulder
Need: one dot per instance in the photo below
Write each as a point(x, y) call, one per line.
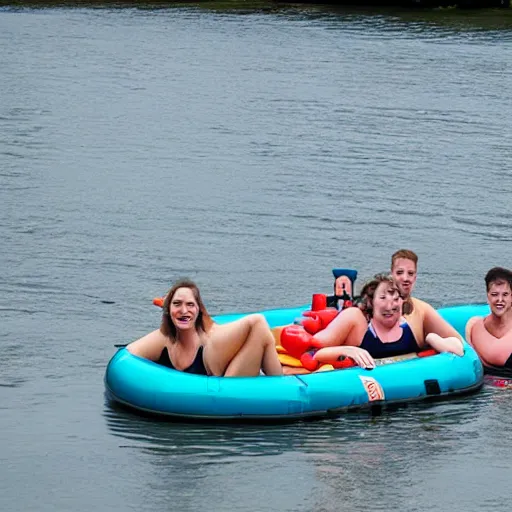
point(421, 306)
point(473, 321)
point(149, 346)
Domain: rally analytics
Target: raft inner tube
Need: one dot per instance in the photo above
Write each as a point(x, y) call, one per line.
point(151, 388)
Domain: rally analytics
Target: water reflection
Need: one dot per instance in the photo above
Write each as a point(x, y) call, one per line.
point(356, 456)
point(220, 441)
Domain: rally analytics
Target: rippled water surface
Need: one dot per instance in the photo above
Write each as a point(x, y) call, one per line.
point(251, 150)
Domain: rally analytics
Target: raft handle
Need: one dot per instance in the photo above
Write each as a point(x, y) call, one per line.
point(432, 387)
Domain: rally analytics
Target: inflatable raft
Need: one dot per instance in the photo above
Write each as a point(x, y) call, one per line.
point(148, 387)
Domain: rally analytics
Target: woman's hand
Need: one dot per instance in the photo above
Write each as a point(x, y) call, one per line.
point(360, 356)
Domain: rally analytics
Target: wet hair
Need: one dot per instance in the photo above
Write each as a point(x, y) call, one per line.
point(405, 254)
point(365, 299)
point(498, 275)
point(203, 320)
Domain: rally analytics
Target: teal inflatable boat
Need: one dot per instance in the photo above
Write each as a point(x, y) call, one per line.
point(148, 387)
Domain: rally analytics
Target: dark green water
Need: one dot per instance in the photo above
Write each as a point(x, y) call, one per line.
point(251, 149)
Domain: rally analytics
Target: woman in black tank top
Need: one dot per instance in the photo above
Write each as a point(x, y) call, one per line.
point(197, 367)
point(189, 340)
point(381, 303)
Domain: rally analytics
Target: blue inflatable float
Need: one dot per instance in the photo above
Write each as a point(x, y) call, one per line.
point(148, 387)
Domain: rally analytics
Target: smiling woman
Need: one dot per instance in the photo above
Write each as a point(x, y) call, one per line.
point(190, 341)
point(378, 327)
point(491, 336)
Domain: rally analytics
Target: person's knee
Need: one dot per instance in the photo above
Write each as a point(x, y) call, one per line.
point(262, 325)
point(257, 320)
point(259, 327)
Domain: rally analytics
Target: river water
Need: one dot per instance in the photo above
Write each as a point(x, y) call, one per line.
point(251, 150)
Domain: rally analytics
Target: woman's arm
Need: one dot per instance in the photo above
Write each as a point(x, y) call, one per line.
point(433, 322)
point(149, 346)
point(361, 357)
point(448, 344)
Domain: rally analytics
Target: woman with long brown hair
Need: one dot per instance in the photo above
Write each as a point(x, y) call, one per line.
point(189, 340)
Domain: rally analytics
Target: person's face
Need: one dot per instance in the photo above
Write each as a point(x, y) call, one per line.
point(184, 309)
point(499, 298)
point(387, 305)
point(404, 273)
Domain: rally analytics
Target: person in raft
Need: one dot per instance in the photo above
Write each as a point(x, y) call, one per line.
point(378, 327)
point(190, 341)
point(491, 336)
point(420, 315)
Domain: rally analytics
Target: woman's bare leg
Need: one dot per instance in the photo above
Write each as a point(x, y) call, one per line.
point(242, 348)
point(256, 354)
